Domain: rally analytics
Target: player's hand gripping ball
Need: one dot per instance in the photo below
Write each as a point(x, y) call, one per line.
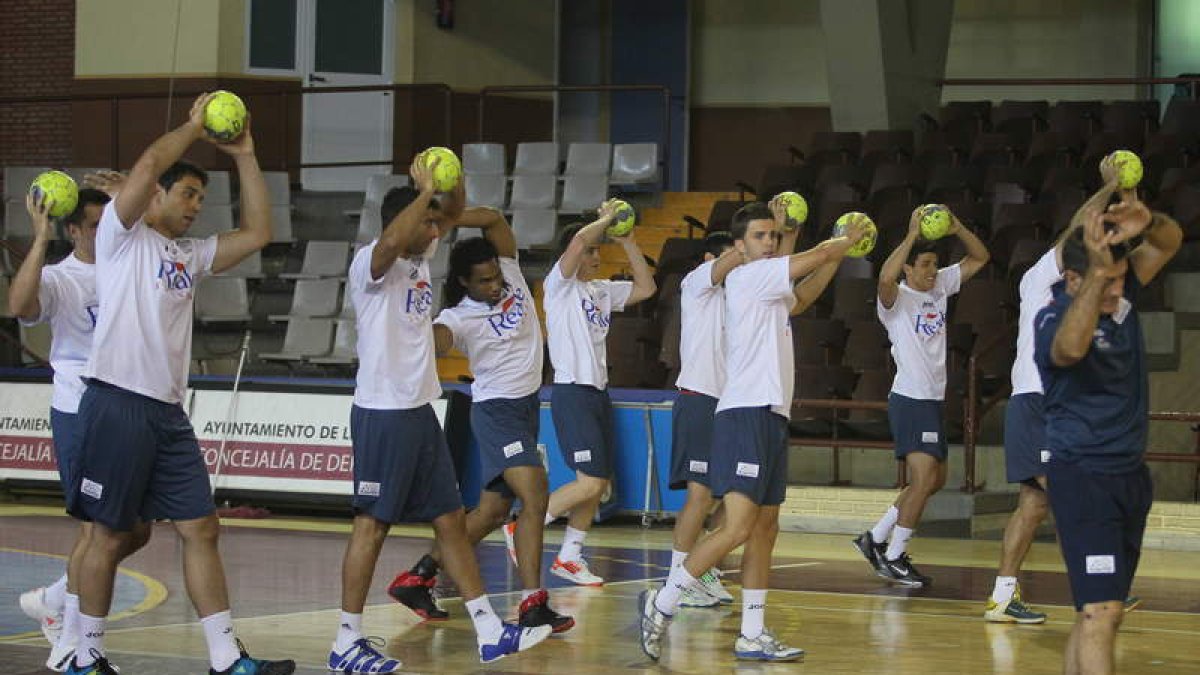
point(224, 116)
point(448, 171)
point(1129, 168)
point(870, 234)
point(59, 191)
point(935, 221)
point(797, 209)
point(623, 220)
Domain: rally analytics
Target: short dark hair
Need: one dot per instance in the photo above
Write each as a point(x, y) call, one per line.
point(1075, 254)
point(749, 212)
point(716, 243)
point(466, 254)
point(87, 197)
point(397, 199)
point(178, 170)
point(921, 247)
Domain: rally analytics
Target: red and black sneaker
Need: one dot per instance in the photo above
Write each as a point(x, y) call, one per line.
point(416, 593)
point(535, 611)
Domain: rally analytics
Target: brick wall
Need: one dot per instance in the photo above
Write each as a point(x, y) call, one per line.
point(37, 39)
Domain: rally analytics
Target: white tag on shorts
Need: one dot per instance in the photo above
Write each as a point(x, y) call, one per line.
point(583, 455)
point(512, 449)
point(748, 470)
point(1045, 457)
point(1101, 564)
point(929, 437)
point(91, 488)
point(696, 466)
point(368, 488)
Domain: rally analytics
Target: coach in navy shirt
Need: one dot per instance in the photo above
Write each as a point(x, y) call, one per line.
point(1093, 367)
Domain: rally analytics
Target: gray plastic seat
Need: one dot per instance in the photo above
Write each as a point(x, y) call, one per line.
point(583, 192)
point(536, 159)
point(213, 219)
point(483, 158)
point(635, 163)
point(534, 227)
point(305, 337)
point(222, 300)
point(369, 226)
point(588, 158)
point(533, 192)
point(439, 264)
point(278, 187)
point(323, 259)
point(5, 310)
point(35, 338)
point(485, 189)
point(345, 345)
point(380, 184)
point(17, 180)
point(218, 190)
point(281, 224)
point(249, 268)
point(312, 298)
point(17, 223)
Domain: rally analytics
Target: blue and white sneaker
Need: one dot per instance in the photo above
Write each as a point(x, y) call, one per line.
point(710, 581)
point(100, 666)
point(514, 639)
point(765, 647)
point(362, 657)
point(652, 623)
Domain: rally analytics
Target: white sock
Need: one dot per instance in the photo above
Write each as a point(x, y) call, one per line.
point(91, 639)
point(550, 518)
point(487, 625)
point(349, 632)
point(1004, 589)
point(56, 594)
point(668, 596)
point(677, 558)
point(71, 619)
point(883, 529)
point(899, 542)
point(526, 592)
point(222, 644)
point(572, 545)
point(754, 606)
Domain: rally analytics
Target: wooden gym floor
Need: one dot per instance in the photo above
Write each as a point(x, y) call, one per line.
point(284, 581)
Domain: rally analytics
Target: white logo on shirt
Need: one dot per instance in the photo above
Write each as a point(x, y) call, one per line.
point(368, 489)
point(748, 470)
point(929, 437)
point(1101, 340)
point(1101, 564)
point(1045, 457)
point(512, 311)
point(512, 449)
point(583, 455)
point(696, 466)
point(91, 488)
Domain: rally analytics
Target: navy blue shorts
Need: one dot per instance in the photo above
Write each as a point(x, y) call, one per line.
point(403, 471)
point(1025, 452)
point(506, 431)
point(1100, 520)
point(68, 441)
point(139, 461)
point(917, 426)
point(749, 455)
point(691, 438)
point(583, 420)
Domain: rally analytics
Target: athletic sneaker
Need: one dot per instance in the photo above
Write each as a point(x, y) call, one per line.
point(1012, 611)
point(62, 652)
point(33, 603)
point(901, 571)
point(765, 647)
point(514, 639)
point(416, 593)
point(652, 623)
point(100, 666)
point(696, 597)
point(1131, 603)
point(249, 666)
point(535, 611)
point(510, 540)
point(711, 582)
point(362, 657)
point(575, 571)
point(873, 552)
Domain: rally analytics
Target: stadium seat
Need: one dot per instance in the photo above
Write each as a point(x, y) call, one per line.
point(439, 266)
point(854, 299)
point(249, 268)
point(855, 179)
point(1182, 119)
point(883, 147)
point(949, 182)
point(818, 342)
point(35, 339)
point(1075, 120)
point(322, 259)
point(345, 345)
point(1132, 118)
point(818, 383)
point(17, 223)
point(281, 224)
point(867, 346)
point(279, 187)
point(721, 215)
point(1051, 148)
point(634, 163)
point(678, 255)
point(5, 310)
point(1013, 222)
point(907, 179)
point(312, 298)
point(213, 219)
point(873, 385)
point(369, 226)
point(1022, 118)
point(17, 180)
point(305, 337)
point(485, 189)
point(218, 190)
point(778, 178)
point(982, 304)
point(834, 147)
point(380, 184)
point(222, 300)
point(584, 158)
point(536, 159)
point(583, 192)
point(854, 268)
point(996, 149)
point(483, 159)
point(1028, 178)
point(534, 227)
point(965, 117)
point(936, 148)
point(534, 191)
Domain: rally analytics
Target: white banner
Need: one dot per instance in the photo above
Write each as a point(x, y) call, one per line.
point(26, 444)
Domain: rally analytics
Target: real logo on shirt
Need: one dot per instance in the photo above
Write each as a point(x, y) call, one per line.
point(173, 275)
point(930, 321)
point(511, 312)
point(594, 315)
point(419, 299)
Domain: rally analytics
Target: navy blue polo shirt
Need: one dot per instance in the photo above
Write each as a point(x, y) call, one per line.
point(1096, 410)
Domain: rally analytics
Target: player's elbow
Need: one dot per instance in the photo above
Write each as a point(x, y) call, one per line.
point(1065, 354)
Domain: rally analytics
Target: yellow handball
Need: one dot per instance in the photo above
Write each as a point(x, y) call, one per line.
point(59, 190)
point(624, 218)
point(448, 171)
point(1129, 168)
point(864, 245)
point(797, 209)
point(225, 116)
point(935, 221)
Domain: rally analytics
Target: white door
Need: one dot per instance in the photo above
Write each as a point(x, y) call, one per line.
point(346, 43)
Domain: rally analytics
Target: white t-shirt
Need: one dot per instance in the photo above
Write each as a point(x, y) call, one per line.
point(502, 341)
point(1035, 294)
point(702, 333)
point(916, 325)
point(396, 361)
point(760, 361)
point(146, 285)
point(67, 297)
point(578, 314)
